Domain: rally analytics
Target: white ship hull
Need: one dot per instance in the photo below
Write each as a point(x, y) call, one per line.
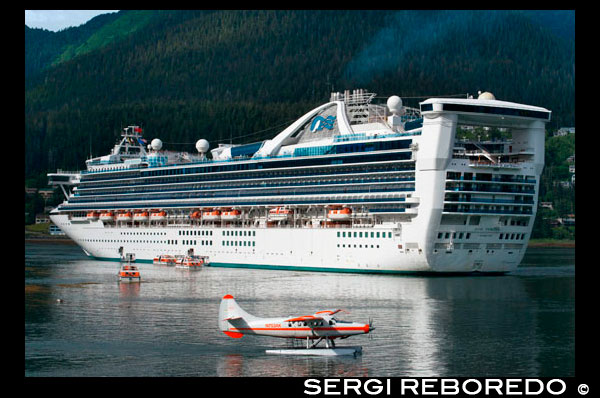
point(310, 249)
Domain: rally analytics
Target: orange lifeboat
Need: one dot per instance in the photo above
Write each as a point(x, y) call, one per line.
point(158, 215)
point(93, 215)
point(164, 259)
point(191, 262)
point(340, 214)
point(231, 215)
point(107, 216)
point(129, 273)
point(196, 215)
point(280, 213)
point(124, 217)
point(141, 216)
point(211, 215)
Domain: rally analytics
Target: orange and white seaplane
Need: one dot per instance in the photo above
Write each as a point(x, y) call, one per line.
point(235, 322)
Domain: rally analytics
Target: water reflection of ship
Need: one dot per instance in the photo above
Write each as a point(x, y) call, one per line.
point(235, 365)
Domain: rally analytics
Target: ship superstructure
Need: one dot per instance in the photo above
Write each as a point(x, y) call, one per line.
point(350, 186)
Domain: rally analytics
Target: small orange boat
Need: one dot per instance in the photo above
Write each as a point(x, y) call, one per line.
point(188, 262)
point(164, 259)
point(107, 216)
point(231, 215)
point(343, 213)
point(124, 217)
point(212, 215)
point(196, 215)
point(129, 273)
point(141, 216)
point(158, 215)
point(280, 213)
point(93, 215)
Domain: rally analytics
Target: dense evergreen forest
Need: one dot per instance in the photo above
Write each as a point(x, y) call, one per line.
point(185, 75)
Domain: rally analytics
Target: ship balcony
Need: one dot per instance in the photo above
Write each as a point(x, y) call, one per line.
point(483, 188)
point(451, 208)
point(487, 165)
point(525, 201)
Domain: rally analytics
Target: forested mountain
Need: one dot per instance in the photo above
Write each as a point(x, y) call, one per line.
point(185, 75)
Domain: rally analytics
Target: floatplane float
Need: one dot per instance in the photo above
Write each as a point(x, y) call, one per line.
point(321, 326)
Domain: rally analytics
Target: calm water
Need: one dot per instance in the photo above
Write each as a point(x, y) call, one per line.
point(521, 324)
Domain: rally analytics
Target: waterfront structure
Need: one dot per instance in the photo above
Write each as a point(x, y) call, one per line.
point(351, 186)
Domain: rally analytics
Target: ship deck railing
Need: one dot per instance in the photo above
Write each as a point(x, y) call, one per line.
point(276, 185)
point(201, 195)
point(339, 138)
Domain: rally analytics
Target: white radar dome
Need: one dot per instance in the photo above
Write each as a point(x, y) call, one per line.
point(202, 145)
point(394, 104)
point(486, 96)
point(156, 144)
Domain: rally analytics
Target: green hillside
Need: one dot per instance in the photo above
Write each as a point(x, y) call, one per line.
point(110, 32)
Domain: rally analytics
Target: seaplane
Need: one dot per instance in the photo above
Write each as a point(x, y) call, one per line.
point(315, 328)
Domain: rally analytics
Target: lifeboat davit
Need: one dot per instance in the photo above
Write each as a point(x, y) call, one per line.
point(124, 217)
point(280, 213)
point(211, 215)
point(339, 214)
point(93, 215)
point(231, 215)
point(158, 215)
point(107, 216)
point(141, 216)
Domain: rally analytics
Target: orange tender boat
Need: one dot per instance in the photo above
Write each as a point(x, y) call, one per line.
point(212, 215)
point(158, 215)
point(129, 273)
point(339, 214)
point(93, 215)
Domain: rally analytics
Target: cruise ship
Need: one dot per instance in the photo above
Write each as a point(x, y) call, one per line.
point(350, 186)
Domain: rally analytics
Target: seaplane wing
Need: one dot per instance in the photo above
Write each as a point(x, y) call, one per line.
point(328, 312)
point(232, 318)
point(304, 318)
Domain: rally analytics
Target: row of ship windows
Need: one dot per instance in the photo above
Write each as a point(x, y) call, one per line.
point(143, 233)
point(455, 175)
point(460, 235)
point(235, 233)
point(164, 242)
point(238, 243)
point(366, 234)
point(194, 242)
point(195, 232)
point(359, 246)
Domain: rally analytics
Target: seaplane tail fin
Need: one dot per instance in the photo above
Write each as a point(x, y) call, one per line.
point(232, 315)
